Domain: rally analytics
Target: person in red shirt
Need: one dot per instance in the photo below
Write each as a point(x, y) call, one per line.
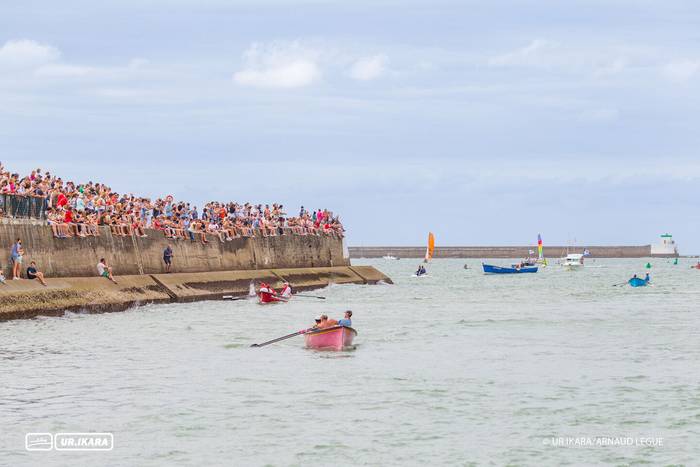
point(61, 200)
point(268, 295)
point(68, 218)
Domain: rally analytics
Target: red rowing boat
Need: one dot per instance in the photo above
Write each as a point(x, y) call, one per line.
point(335, 338)
point(267, 299)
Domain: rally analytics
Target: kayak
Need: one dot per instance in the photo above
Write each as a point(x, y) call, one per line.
point(335, 338)
point(490, 269)
point(637, 282)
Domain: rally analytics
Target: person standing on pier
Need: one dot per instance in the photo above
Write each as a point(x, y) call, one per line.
point(168, 258)
point(16, 257)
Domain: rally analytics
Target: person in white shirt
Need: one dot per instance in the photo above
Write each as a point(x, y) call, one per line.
point(286, 291)
point(103, 270)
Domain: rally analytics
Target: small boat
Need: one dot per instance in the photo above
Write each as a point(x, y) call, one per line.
point(390, 257)
point(572, 261)
point(268, 296)
point(335, 338)
point(430, 248)
point(515, 269)
point(637, 282)
point(648, 266)
point(697, 266)
point(541, 260)
point(271, 300)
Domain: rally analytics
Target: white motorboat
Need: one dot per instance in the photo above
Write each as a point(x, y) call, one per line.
point(572, 261)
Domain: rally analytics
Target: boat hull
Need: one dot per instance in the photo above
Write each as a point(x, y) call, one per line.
point(491, 269)
point(637, 282)
point(270, 300)
point(335, 338)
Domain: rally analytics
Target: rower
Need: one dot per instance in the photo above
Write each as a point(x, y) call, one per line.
point(325, 322)
point(267, 294)
point(286, 291)
point(347, 320)
point(647, 278)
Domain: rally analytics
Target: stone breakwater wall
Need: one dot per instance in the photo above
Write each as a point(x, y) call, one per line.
point(27, 299)
point(641, 251)
point(78, 257)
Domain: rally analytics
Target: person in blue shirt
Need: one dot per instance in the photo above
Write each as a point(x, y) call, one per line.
point(647, 278)
point(346, 321)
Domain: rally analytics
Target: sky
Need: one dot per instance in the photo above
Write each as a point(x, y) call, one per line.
point(486, 122)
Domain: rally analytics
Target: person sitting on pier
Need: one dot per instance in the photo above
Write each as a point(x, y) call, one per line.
point(103, 270)
point(33, 273)
point(347, 320)
point(286, 291)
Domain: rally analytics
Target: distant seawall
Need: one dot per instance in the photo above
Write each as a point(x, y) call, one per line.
point(78, 257)
point(641, 251)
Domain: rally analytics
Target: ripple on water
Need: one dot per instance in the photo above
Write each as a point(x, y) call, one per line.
point(463, 369)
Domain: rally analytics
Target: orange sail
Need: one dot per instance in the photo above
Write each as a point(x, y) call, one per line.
point(431, 247)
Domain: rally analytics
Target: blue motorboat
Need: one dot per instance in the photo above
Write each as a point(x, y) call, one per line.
point(515, 269)
point(638, 282)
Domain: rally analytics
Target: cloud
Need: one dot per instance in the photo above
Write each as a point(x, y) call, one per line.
point(531, 55)
point(368, 68)
point(25, 53)
point(680, 71)
point(279, 65)
point(60, 70)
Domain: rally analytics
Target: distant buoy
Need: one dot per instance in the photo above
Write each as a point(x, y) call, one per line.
point(648, 266)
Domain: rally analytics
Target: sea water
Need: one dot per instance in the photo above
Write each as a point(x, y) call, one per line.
point(456, 368)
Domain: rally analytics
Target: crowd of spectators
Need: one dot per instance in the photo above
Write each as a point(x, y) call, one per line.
point(76, 210)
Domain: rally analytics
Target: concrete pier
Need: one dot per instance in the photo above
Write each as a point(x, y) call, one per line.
point(28, 299)
point(200, 271)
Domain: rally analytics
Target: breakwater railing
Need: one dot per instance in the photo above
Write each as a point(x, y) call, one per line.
point(20, 206)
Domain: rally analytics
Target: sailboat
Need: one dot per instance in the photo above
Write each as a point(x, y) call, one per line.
point(540, 253)
point(431, 247)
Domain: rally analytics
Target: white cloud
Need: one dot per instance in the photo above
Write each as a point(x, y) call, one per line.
point(60, 70)
point(368, 68)
point(27, 53)
point(279, 65)
point(534, 54)
point(680, 71)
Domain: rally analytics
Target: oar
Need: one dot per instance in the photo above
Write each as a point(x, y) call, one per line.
point(231, 297)
point(288, 336)
point(621, 283)
point(309, 296)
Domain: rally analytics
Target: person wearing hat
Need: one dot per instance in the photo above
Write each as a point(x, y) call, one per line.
point(267, 294)
point(324, 322)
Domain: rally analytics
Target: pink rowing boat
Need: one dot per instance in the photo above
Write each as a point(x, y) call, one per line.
point(335, 338)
